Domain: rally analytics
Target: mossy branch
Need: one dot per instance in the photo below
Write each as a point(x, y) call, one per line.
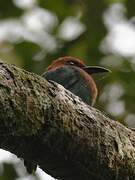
point(46, 124)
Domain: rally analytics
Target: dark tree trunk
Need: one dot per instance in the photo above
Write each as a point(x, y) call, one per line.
point(49, 126)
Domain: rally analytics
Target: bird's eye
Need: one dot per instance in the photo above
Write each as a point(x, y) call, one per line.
point(71, 63)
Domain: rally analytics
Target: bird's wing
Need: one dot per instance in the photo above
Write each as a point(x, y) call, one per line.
point(71, 79)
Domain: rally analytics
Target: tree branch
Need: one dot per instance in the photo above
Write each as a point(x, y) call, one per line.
point(46, 124)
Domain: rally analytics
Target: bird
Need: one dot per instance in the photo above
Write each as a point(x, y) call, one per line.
point(75, 76)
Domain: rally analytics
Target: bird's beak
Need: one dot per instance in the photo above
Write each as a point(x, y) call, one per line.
point(95, 69)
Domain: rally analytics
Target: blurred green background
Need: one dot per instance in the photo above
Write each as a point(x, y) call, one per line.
point(35, 32)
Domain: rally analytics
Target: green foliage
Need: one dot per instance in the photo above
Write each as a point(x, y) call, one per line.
point(130, 5)
point(62, 8)
point(8, 9)
point(116, 1)
point(9, 172)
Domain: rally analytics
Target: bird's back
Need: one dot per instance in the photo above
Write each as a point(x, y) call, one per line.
point(72, 80)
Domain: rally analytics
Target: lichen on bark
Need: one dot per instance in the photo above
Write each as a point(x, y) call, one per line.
point(42, 122)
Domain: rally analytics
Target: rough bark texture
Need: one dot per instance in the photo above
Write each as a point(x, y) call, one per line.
point(45, 124)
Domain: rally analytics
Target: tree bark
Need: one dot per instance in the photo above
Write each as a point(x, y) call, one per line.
point(43, 123)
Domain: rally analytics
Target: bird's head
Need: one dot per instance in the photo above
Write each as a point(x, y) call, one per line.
point(75, 62)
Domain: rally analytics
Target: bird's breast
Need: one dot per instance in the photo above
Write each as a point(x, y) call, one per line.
point(72, 80)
